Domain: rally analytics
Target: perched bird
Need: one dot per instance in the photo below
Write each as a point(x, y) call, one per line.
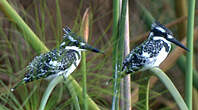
point(61, 61)
point(152, 52)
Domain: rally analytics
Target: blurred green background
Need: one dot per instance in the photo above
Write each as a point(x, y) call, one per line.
point(47, 18)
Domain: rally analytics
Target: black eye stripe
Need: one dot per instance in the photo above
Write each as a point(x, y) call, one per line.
point(157, 32)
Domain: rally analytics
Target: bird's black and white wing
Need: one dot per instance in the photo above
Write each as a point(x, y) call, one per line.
point(134, 61)
point(145, 56)
point(53, 63)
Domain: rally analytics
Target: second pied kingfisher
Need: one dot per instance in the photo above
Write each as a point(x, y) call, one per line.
point(153, 51)
point(61, 61)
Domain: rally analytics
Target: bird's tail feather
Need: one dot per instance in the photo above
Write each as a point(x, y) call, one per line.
point(17, 85)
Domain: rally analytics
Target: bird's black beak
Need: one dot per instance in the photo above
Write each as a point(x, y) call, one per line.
point(89, 47)
point(173, 40)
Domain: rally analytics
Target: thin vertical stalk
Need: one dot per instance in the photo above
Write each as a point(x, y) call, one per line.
point(119, 55)
point(85, 28)
point(127, 78)
point(181, 10)
point(37, 20)
point(84, 81)
point(189, 70)
point(122, 102)
point(78, 16)
point(59, 23)
point(180, 62)
point(147, 95)
point(58, 35)
point(42, 6)
point(116, 9)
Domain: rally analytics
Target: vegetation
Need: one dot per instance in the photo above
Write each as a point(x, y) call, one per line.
point(32, 27)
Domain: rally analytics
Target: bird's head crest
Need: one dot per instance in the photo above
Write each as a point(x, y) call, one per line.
point(71, 40)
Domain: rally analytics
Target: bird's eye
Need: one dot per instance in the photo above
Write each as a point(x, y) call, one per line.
point(165, 34)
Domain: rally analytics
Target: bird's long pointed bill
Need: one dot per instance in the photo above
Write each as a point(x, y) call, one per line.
point(178, 44)
point(89, 47)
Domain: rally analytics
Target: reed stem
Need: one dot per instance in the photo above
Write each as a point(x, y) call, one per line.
point(189, 70)
point(127, 78)
point(170, 86)
point(85, 33)
point(116, 8)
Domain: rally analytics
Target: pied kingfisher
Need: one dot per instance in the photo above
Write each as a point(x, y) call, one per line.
point(152, 52)
point(60, 61)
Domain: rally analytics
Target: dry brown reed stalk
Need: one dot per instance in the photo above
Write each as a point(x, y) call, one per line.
point(85, 25)
point(127, 79)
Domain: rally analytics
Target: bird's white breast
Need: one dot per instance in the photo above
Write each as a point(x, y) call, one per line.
point(163, 53)
point(161, 57)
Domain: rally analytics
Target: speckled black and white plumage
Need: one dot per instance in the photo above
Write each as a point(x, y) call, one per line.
point(151, 52)
point(51, 64)
point(61, 61)
point(145, 56)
